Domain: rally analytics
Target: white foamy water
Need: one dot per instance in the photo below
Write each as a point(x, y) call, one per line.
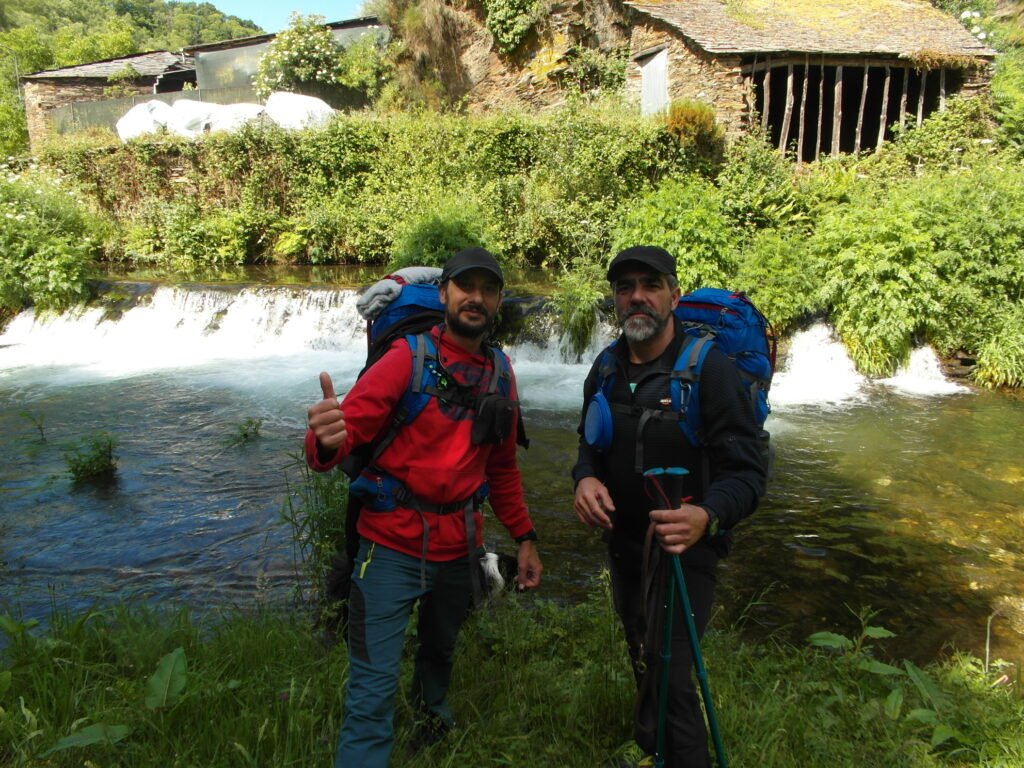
point(817, 371)
point(923, 377)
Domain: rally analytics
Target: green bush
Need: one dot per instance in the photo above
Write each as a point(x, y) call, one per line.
point(92, 459)
point(777, 272)
point(47, 241)
point(692, 124)
point(1001, 357)
point(579, 291)
point(684, 216)
point(509, 21)
point(1008, 96)
point(430, 236)
point(757, 186)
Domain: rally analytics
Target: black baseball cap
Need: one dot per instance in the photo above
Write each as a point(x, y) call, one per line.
point(471, 258)
point(645, 256)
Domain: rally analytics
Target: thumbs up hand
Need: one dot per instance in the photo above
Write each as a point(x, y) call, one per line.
point(326, 418)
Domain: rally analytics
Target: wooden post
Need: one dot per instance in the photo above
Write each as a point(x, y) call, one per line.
point(767, 88)
point(837, 111)
point(803, 113)
point(860, 112)
point(903, 98)
point(787, 118)
point(942, 90)
point(920, 98)
point(885, 109)
point(821, 109)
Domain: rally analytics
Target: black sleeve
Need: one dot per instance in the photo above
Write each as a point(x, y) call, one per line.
point(731, 436)
point(589, 462)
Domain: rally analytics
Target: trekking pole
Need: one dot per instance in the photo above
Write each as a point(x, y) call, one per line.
point(670, 497)
point(698, 662)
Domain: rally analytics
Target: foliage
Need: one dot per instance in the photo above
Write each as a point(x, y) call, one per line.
point(259, 689)
point(306, 54)
point(47, 241)
point(685, 217)
point(593, 70)
point(1008, 96)
point(509, 21)
point(692, 124)
point(780, 276)
point(247, 431)
point(757, 186)
point(92, 459)
point(579, 290)
point(315, 510)
point(431, 236)
point(1001, 357)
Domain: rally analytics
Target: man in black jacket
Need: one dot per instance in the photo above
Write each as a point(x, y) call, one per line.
point(724, 481)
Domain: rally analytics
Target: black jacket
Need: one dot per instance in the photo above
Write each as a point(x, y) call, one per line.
point(736, 472)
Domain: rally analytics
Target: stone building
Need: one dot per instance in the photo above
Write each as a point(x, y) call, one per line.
point(822, 76)
point(141, 73)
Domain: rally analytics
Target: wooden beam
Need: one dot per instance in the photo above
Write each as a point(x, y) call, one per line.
point(885, 109)
point(837, 111)
point(821, 108)
point(942, 90)
point(803, 113)
point(860, 112)
point(920, 98)
point(787, 117)
point(903, 98)
point(766, 87)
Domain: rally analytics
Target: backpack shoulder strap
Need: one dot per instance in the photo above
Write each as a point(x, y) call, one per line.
point(606, 366)
point(416, 397)
point(684, 387)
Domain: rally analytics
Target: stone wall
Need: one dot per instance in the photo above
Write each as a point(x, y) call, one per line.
point(530, 77)
point(43, 95)
point(692, 73)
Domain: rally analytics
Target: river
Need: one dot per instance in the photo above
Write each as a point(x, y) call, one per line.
point(901, 495)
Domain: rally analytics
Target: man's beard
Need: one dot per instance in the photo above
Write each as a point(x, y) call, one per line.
point(455, 323)
point(640, 324)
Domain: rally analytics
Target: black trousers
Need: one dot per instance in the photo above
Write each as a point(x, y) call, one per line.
point(686, 740)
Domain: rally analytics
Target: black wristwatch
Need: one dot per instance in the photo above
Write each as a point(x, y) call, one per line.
point(530, 535)
point(712, 529)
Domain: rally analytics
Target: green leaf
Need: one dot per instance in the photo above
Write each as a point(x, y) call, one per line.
point(893, 704)
point(926, 716)
point(924, 684)
point(942, 734)
point(99, 733)
point(879, 668)
point(830, 640)
point(5, 681)
point(878, 633)
point(165, 686)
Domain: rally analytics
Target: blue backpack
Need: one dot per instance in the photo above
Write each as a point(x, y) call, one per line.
point(710, 317)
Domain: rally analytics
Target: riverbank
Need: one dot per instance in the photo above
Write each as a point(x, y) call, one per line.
point(536, 685)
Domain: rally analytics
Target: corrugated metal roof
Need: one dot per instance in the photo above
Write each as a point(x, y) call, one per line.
point(902, 28)
point(150, 64)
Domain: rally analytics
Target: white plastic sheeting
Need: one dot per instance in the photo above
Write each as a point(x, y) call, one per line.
point(293, 110)
point(191, 118)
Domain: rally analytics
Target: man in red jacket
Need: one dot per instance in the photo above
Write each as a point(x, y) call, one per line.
point(420, 525)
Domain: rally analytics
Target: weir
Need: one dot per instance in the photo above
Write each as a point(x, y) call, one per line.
point(902, 493)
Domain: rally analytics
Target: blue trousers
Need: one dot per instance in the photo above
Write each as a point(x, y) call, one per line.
point(385, 586)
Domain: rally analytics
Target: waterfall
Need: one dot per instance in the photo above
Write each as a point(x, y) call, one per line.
point(922, 376)
point(817, 371)
point(281, 336)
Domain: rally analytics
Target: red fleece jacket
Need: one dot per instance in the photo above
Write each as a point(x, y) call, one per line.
point(432, 455)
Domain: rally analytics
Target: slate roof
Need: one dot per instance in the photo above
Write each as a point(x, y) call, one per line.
point(151, 64)
point(900, 28)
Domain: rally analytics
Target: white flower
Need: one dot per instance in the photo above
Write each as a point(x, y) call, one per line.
point(975, 29)
point(975, 15)
point(982, 35)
